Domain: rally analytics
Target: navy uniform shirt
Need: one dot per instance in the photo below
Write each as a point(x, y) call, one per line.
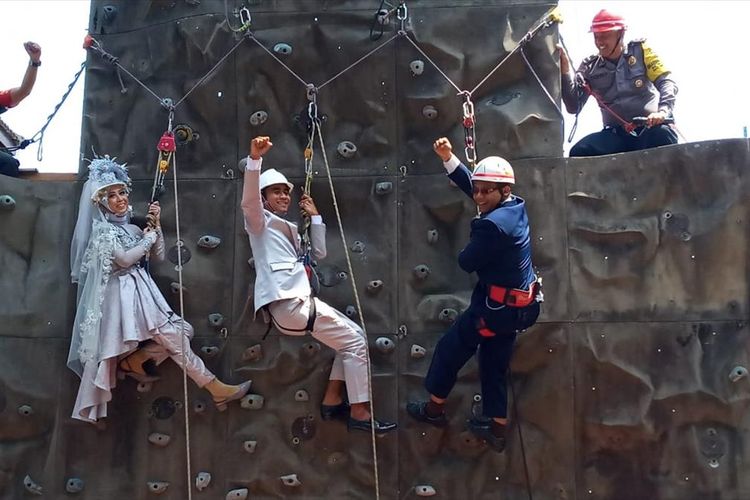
point(499, 248)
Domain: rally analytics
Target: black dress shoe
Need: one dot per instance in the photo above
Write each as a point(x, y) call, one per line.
point(335, 412)
point(482, 429)
point(364, 425)
point(418, 411)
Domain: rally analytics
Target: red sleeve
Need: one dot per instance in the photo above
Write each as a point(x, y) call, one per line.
point(5, 100)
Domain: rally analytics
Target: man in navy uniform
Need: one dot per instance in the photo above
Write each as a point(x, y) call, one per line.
point(627, 82)
point(505, 301)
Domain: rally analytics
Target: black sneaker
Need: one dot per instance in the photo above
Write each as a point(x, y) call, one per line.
point(482, 429)
point(418, 411)
point(365, 425)
point(335, 412)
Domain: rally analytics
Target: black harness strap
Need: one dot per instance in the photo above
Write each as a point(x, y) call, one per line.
point(308, 327)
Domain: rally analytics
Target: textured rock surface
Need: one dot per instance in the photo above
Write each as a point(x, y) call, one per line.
point(623, 388)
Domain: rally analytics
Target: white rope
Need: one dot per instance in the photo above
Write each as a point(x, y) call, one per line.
point(182, 332)
point(359, 310)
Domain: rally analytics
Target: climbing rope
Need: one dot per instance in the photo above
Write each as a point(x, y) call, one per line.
point(359, 310)
point(520, 434)
point(39, 136)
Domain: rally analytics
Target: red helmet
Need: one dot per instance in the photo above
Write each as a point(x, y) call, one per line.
point(607, 21)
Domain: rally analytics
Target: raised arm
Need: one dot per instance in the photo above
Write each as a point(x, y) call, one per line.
point(252, 203)
point(18, 94)
point(457, 171)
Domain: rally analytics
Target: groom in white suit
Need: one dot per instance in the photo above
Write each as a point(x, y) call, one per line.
point(283, 288)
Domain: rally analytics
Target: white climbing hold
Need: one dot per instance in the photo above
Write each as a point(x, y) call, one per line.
point(737, 373)
point(425, 490)
point(258, 118)
point(74, 485)
point(238, 494)
point(347, 149)
point(31, 486)
point(7, 202)
point(249, 446)
point(252, 402)
point(157, 487)
point(374, 285)
point(159, 439)
point(417, 351)
point(385, 345)
point(208, 241)
point(290, 480)
point(416, 67)
point(202, 480)
point(430, 112)
point(25, 410)
point(282, 48)
point(301, 395)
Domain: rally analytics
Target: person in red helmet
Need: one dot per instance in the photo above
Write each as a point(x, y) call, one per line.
point(629, 81)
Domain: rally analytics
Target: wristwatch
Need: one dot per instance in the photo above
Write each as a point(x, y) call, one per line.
point(35, 64)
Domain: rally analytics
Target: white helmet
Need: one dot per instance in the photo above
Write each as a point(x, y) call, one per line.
point(271, 177)
point(494, 169)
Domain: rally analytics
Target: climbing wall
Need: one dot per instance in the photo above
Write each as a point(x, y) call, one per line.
point(632, 385)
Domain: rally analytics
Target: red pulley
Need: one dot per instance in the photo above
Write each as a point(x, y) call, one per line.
point(166, 143)
point(88, 41)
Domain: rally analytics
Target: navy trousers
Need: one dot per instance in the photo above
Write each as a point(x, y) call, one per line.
point(616, 140)
point(463, 340)
point(8, 165)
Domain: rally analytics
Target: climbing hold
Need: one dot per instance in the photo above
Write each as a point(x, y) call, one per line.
point(448, 315)
point(421, 271)
point(432, 236)
point(110, 13)
point(184, 254)
point(184, 134)
point(385, 345)
point(210, 350)
point(258, 118)
point(374, 286)
point(163, 407)
point(342, 276)
point(310, 349)
point(429, 112)
point(251, 262)
point(31, 486)
point(238, 494)
point(346, 149)
point(159, 439)
point(417, 351)
point(358, 247)
point(74, 485)
point(686, 236)
point(282, 48)
point(249, 446)
point(202, 480)
point(425, 490)
point(7, 202)
point(208, 241)
point(382, 16)
point(416, 67)
point(158, 487)
point(477, 398)
point(667, 215)
point(199, 406)
point(737, 373)
point(290, 480)
point(25, 410)
point(253, 353)
point(382, 188)
point(144, 387)
point(175, 286)
point(350, 311)
point(252, 402)
point(216, 320)
point(301, 395)
point(303, 428)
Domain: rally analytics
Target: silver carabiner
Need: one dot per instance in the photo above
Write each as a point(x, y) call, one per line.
point(245, 17)
point(402, 14)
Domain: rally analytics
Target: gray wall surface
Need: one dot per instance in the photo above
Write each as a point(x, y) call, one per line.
point(625, 388)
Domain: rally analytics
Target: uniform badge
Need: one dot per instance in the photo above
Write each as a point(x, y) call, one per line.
point(631, 60)
point(639, 83)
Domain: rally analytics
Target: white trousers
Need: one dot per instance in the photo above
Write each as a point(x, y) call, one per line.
point(169, 345)
point(335, 330)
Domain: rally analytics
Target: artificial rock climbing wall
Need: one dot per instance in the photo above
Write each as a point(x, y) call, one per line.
point(632, 385)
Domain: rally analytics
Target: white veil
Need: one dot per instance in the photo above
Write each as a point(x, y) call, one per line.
point(91, 253)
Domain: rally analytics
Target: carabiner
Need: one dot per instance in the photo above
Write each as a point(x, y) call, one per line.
point(402, 14)
point(245, 17)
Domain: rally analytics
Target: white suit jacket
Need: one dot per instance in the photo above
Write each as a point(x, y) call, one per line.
point(275, 244)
